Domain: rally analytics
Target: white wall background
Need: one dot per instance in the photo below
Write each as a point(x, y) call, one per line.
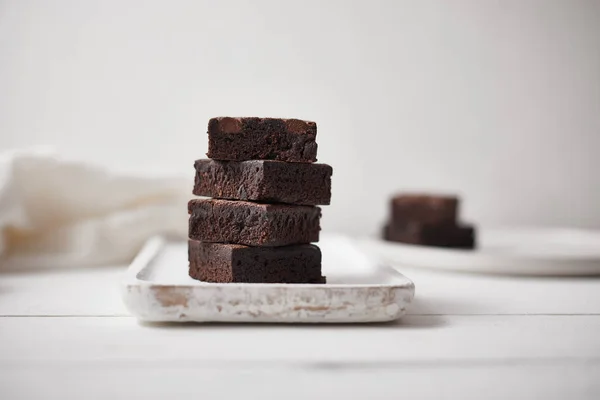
point(498, 101)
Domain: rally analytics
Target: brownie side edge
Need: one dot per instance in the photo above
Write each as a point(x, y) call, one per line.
point(252, 224)
point(264, 181)
point(252, 138)
point(226, 263)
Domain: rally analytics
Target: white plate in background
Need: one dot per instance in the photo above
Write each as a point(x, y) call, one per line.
point(157, 288)
point(537, 251)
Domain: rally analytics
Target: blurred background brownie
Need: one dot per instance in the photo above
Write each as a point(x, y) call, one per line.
point(428, 220)
point(424, 209)
point(462, 236)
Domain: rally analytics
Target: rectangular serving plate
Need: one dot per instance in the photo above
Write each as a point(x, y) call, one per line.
point(157, 288)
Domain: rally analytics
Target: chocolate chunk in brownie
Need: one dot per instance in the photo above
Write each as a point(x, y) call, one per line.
point(250, 138)
point(252, 224)
point(424, 209)
point(461, 236)
point(264, 181)
point(225, 263)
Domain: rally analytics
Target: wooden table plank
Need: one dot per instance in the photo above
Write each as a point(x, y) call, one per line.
point(439, 292)
point(418, 340)
point(86, 291)
point(171, 380)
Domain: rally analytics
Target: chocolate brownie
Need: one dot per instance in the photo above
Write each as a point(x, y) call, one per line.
point(241, 139)
point(252, 224)
point(264, 181)
point(461, 236)
point(225, 263)
point(424, 209)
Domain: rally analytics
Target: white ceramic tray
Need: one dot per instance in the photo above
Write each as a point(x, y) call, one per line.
point(158, 288)
point(541, 252)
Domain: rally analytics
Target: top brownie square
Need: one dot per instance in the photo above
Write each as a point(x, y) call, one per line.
point(250, 138)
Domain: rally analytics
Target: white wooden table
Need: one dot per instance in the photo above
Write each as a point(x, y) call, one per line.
point(65, 335)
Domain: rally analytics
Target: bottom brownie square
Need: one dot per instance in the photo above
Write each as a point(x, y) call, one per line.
point(228, 263)
point(461, 236)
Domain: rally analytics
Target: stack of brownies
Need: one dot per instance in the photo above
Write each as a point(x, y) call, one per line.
point(428, 220)
point(262, 217)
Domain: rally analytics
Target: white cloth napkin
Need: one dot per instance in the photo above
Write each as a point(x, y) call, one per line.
point(59, 213)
